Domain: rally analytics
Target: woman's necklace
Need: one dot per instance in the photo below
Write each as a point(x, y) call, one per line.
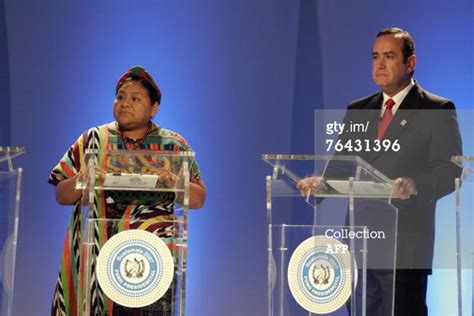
point(130, 143)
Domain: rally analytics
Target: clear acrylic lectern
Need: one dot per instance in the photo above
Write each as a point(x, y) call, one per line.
point(322, 243)
point(464, 206)
point(133, 240)
point(10, 182)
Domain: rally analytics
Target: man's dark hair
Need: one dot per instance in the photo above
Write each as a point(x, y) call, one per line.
point(408, 48)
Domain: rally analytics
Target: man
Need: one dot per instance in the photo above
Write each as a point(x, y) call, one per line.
point(425, 127)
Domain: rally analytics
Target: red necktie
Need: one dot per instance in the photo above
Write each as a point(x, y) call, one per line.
point(386, 119)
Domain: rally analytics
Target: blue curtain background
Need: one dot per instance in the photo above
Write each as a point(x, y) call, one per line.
point(4, 80)
point(239, 79)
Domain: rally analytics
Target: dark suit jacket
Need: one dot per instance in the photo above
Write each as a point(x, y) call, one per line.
point(427, 131)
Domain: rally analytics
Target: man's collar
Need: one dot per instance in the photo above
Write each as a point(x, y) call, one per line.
point(400, 96)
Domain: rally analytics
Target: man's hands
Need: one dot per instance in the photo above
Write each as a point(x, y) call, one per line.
point(404, 188)
point(310, 185)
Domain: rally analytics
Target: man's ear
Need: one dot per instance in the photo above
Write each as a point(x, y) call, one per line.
point(411, 63)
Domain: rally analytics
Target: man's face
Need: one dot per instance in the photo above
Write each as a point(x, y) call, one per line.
point(389, 71)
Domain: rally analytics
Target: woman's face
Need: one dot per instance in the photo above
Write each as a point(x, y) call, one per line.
point(132, 106)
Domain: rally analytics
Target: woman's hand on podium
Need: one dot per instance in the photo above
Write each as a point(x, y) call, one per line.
point(100, 175)
point(167, 179)
point(66, 191)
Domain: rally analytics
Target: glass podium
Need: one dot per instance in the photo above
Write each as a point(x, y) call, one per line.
point(10, 183)
point(133, 237)
point(330, 224)
point(464, 205)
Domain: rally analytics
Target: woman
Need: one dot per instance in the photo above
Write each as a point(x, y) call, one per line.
point(137, 101)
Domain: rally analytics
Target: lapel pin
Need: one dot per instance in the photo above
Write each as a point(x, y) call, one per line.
point(403, 122)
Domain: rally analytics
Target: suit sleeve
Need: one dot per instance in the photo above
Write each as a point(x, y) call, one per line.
point(445, 142)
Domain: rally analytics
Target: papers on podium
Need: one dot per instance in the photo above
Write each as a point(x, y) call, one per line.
point(130, 180)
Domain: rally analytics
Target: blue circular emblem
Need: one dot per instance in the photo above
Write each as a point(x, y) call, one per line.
point(320, 280)
point(135, 268)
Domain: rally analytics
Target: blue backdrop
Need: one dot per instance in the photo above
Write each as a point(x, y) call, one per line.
point(239, 78)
